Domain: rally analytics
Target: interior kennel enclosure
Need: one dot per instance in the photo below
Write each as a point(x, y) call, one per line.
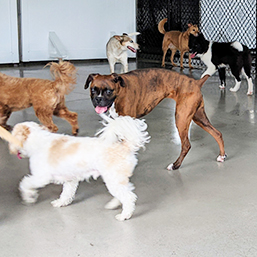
point(218, 20)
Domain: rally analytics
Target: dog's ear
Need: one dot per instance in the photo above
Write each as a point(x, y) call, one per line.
point(125, 34)
point(118, 79)
point(90, 78)
point(119, 38)
point(189, 25)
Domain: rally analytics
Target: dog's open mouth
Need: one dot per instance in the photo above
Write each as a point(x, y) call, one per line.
point(19, 155)
point(132, 49)
point(101, 110)
point(193, 55)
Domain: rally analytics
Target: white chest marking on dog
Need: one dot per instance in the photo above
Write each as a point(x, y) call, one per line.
point(113, 112)
point(238, 46)
point(206, 57)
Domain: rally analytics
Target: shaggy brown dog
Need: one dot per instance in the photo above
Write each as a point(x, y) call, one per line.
point(176, 40)
point(47, 97)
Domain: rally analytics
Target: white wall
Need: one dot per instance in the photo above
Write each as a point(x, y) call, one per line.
point(8, 32)
point(83, 26)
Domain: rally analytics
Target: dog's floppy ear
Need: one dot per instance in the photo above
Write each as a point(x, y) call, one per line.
point(90, 78)
point(118, 79)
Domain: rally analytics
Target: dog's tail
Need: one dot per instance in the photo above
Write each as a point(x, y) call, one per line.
point(202, 80)
point(6, 135)
point(125, 129)
point(64, 74)
point(161, 26)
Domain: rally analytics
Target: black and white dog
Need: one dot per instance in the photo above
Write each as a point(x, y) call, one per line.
point(217, 55)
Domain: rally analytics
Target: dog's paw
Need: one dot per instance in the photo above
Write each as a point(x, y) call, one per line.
point(122, 217)
point(173, 166)
point(29, 197)
point(221, 158)
point(222, 86)
point(249, 93)
point(58, 203)
point(233, 89)
point(170, 167)
point(113, 204)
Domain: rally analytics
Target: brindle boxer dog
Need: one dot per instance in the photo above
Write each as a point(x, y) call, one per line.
point(137, 92)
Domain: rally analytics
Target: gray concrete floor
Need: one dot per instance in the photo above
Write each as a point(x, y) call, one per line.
point(203, 209)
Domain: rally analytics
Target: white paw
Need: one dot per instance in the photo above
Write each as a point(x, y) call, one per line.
point(232, 89)
point(113, 204)
point(221, 158)
point(122, 217)
point(29, 197)
point(222, 86)
point(250, 93)
point(58, 203)
point(29, 200)
point(170, 167)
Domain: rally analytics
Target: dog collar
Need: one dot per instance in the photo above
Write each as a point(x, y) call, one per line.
point(19, 155)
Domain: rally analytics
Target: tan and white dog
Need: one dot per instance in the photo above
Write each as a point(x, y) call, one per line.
point(116, 50)
point(67, 160)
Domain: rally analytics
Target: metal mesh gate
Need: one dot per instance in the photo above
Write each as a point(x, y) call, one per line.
point(149, 13)
point(221, 21)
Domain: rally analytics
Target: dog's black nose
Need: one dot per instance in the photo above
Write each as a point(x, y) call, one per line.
point(98, 99)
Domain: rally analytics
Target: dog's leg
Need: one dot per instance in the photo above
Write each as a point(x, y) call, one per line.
point(113, 204)
point(67, 195)
point(112, 65)
point(123, 193)
point(72, 117)
point(246, 70)
point(247, 75)
point(28, 187)
point(5, 113)
point(236, 87)
point(124, 64)
point(190, 61)
point(183, 120)
point(210, 70)
point(222, 75)
point(201, 119)
point(236, 73)
point(45, 117)
point(173, 51)
point(164, 55)
point(181, 59)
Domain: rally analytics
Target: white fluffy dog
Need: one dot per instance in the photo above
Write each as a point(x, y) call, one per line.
point(67, 160)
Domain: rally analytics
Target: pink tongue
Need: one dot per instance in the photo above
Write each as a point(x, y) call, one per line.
point(132, 49)
point(193, 55)
point(19, 155)
point(100, 110)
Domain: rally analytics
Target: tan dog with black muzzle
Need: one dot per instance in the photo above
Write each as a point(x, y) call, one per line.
point(137, 92)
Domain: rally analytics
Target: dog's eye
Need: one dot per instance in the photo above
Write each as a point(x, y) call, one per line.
point(131, 41)
point(109, 92)
point(93, 90)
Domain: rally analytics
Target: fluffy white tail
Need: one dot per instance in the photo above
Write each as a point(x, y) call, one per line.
point(125, 128)
point(6, 135)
